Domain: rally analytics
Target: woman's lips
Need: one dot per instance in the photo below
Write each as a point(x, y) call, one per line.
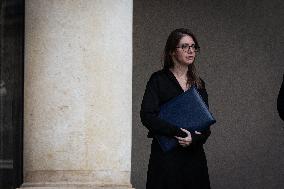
point(190, 57)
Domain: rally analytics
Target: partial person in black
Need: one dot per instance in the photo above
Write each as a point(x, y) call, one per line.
point(280, 101)
point(184, 167)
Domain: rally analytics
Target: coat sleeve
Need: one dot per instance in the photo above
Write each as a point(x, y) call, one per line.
point(280, 101)
point(199, 139)
point(149, 112)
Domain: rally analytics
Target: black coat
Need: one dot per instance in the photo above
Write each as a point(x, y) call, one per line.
point(181, 168)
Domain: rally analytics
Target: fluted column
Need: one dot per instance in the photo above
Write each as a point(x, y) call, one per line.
point(77, 97)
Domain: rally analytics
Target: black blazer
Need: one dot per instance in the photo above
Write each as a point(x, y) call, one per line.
point(162, 87)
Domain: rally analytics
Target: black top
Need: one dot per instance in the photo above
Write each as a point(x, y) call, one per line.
point(182, 167)
point(280, 101)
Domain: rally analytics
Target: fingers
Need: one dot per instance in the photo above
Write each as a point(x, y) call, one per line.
point(180, 138)
point(184, 144)
point(186, 141)
point(186, 131)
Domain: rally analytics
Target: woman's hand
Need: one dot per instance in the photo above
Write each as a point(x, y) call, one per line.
point(186, 141)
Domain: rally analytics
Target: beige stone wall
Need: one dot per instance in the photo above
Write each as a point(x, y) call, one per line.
point(78, 79)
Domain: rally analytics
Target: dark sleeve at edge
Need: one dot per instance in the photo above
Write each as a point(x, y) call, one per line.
point(280, 101)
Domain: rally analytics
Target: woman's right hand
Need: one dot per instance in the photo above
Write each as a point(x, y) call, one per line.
point(186, 141)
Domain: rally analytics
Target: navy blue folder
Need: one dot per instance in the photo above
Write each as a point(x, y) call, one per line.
point(187, 111)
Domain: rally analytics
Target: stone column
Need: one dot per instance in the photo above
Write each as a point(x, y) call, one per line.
point(78, 94)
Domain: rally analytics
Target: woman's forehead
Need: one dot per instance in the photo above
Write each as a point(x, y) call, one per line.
point(186, 39)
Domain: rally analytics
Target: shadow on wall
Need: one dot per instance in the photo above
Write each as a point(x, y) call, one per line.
point(241, 61)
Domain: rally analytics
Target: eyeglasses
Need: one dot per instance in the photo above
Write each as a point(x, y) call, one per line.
point(185, 47)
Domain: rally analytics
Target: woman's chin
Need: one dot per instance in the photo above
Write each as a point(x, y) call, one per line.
point(189, 62)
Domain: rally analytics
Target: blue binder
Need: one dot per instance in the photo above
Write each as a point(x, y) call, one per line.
point(187, 111)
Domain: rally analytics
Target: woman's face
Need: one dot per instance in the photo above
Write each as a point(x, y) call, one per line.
point(185, 51)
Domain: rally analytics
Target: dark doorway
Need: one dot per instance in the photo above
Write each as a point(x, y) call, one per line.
point(11, 92)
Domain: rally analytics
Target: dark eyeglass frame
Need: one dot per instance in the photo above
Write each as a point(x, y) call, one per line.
point(185, 47)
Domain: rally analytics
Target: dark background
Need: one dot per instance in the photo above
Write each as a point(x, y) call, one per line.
point(242, 63)
point(11, 92)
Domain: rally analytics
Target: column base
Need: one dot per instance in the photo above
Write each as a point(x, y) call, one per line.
point(77, 179)
point(72, 186)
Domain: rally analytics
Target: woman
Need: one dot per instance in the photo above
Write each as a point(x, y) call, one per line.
point(184, 167)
